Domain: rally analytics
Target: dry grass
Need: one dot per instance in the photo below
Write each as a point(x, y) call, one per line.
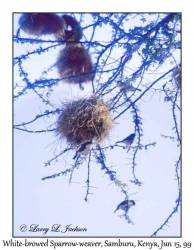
point(84, 120)
point(74, 64)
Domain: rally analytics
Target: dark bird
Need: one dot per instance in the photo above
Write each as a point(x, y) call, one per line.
point(125, 205)
point(128, 140)
point(126, 85)
point(84, 149)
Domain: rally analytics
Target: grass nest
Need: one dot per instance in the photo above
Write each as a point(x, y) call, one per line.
point(43, 24)
point(84, 120)
point(75, 33)
point(74, 64)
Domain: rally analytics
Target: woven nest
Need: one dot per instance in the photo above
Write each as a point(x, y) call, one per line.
point(74, 64)
point(75, 33)
point(176, 75)
point(84, 120)
point(42, 24)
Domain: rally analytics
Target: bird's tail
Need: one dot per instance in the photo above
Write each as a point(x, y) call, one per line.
point(128, 149)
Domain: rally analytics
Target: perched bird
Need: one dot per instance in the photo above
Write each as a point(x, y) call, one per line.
point(125, 205)
point(131, 88)
point(84, 149)
point(126, 85)
point(128, 140)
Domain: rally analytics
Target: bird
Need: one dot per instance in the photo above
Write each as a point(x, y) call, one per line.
point(125, 205)
point(131, 88)
point(126, 85)
point(128, 140)
point(84, 149)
